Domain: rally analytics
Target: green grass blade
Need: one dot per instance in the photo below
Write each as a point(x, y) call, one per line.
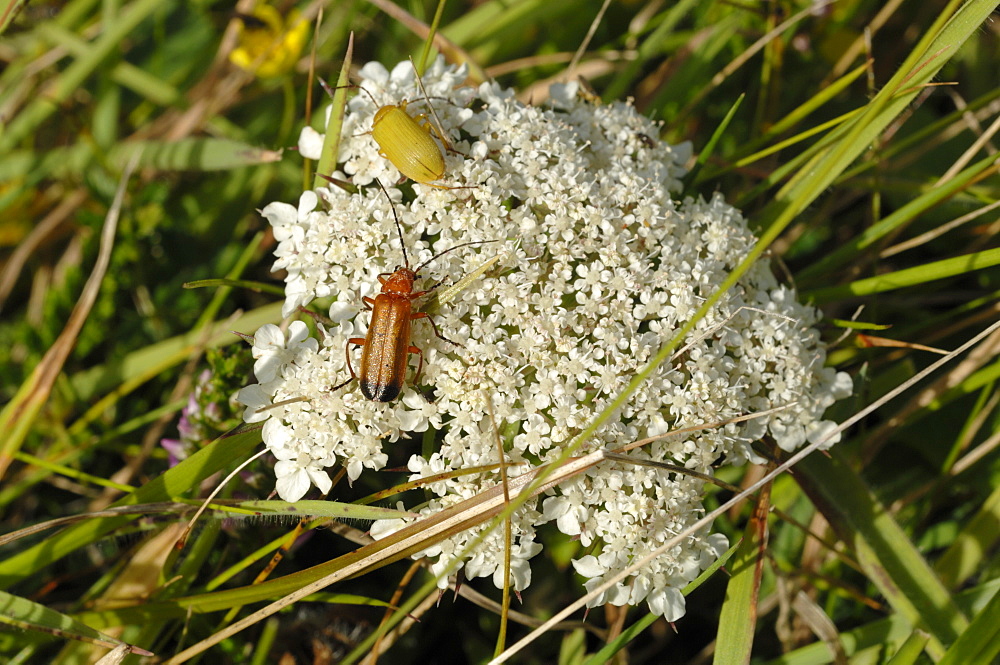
point(250, 285)
point(174, 482)
point(890, 560)
point(980, 644)
point(901, 279)
point(425, 52)
point(168, 353)
point(331, 139)
point(487, 27)
point(125, 74)
point(911, 649)
point(68, 82)
point(309, 508)
point(849, 251)
point(650, 47)
point(920, 68)
point(719, 132)
point(738, 620)
point(23, 614)
point(977, 538)
point(893, 629)
point(191, 154)
point(817, 101)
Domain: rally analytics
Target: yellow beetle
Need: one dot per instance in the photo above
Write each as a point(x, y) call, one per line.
point(406, 141)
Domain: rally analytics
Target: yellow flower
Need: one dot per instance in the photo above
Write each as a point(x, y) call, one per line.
point(269, 46)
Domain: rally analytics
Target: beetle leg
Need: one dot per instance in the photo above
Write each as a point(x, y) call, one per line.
point(341, 385)
point(420, 365)
point(357, 341)
point(414, 296)
point(431, 184)
point(430, 128)
point(369, 302)
point(425, 315)
point(425, 124)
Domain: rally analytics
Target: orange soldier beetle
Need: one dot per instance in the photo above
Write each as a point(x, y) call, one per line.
point(386, 348)
point(405, 140)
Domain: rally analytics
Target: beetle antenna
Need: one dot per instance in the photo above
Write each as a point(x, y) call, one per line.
point(464, 244)
point(399, 227)
point(437, 120)
point(329, 90)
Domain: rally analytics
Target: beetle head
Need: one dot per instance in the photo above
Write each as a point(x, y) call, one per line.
point(400, 282)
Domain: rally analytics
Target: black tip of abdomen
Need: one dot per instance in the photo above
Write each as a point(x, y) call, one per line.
point(379, 393)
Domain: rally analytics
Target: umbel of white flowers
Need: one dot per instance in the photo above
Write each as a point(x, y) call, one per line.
point(601, 263)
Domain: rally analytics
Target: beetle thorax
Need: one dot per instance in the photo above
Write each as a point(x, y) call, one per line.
point(400, 282)
point(381, 113)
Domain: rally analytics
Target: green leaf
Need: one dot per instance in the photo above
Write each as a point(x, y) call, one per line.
point(258, 287)
point(190, 154)
point(980, 643)
point(309, 508)
point(978, 537)
point(738, 620)
point(911, 649)
point(891, 630)
point(24, 614)
point(214, 457)
point(900, 279)
point(154, 358)
point(331, 138)
point(888, 557)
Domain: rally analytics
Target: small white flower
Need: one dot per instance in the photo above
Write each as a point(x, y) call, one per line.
point(667, 602)
point(255, 397)
point(588, 566)
point(609, 261)
point(294, 479)
point(270, 351)
point(382, 528)
point(311, 143)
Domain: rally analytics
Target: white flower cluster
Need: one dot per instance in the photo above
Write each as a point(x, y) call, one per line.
point(600, 266)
